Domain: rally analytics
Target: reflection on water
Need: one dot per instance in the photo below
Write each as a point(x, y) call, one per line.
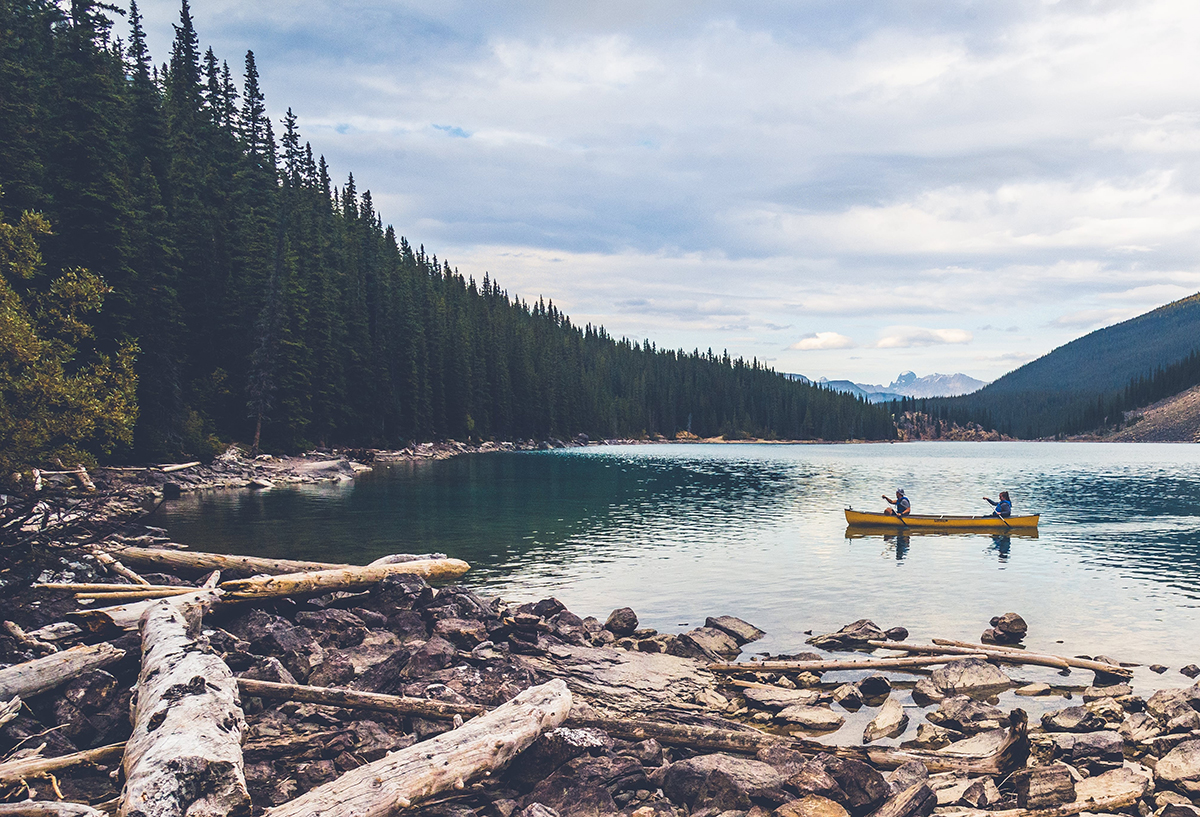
point(680, 532)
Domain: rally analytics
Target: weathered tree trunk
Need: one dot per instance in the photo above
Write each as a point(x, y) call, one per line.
point(185, 755)
point(183, 560)
point(134, 595)
point(45, 673)
point(26, 640)
point(352, 699)
point(1011, 754)
point(695, 737)
point(16, 770)
point(1077, 663)
point(48, 808)
point(999, 656)
point(182, 466)
point(345, 578)
point(482, 745)
point(111, 563)
point(126, 616)
point(833, 665)
point(97, 587)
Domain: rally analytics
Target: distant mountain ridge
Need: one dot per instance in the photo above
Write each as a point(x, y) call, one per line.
point(1085, 384)
point(905, 385)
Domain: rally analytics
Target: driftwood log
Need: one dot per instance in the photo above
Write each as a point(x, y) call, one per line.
point(185, 753)
point(184, 560)
point(999, 656)
point(15, 771)
point(835, 665)
point(110, 562)
point(481, 746)
point(1078, 663)
point(49, 671)
point(124, 616)
point(48, 808)
point(344, 578)
point(1011, 754)
point(696, 737)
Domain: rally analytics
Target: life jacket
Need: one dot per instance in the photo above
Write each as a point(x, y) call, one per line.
point(1004, 507)
point(903, 505)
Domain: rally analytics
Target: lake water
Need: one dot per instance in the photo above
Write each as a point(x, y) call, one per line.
point(680, 532)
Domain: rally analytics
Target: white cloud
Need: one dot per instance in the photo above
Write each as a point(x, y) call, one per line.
point(1095, 318)
point(906, 337)
point(823, 340)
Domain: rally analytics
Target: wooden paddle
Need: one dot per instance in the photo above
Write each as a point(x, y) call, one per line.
point(898, 516)
point(998, 516)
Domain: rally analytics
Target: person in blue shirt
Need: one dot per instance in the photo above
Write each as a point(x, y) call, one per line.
point(903, 506)
point(1001, 508)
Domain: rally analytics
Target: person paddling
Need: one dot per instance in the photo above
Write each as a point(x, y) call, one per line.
point(903, 506)
point(1003, 508)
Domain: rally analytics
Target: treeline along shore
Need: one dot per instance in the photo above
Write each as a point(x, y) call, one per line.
point(236, 293)
point(142, 678)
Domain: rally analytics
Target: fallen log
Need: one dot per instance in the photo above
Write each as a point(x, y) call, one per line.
point(1000, 656)
point(835, 665)
point(1011, 754)
point(1077, 663)
point(184, 560)
point(353, 699)
point(113, 564)
point(10, 710)
point(97, 587)
point(481, 746)
point(58, 631)
point(15, 771)
point(185, 753)
point(696, 737)
point(135, 595)
point(26, 640)
point(124, 616)
point(48, 808)
point(345, 578)
point(32, 677)
point(182, 466)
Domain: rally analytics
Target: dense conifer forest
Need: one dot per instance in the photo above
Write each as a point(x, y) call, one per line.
point(1086, 385)
point(255, 296)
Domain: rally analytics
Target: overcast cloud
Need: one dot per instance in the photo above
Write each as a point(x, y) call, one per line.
point(841, 189)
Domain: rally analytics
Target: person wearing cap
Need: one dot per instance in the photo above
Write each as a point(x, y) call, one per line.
point(1001, 508)
point(903, 506)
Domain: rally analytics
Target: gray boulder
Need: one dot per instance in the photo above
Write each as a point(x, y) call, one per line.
point(966, 715)
point(621, 622)
point(735, 628)
point(1072, 719)
point(972, 676)
point(1180, 768)
point(684, 782)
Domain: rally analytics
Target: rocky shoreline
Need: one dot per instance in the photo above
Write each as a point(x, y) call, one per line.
point(333, 683)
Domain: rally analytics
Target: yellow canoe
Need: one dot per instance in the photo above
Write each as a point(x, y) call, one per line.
point(941, 522)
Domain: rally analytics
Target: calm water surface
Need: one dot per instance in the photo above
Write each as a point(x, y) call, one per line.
point(679, 532)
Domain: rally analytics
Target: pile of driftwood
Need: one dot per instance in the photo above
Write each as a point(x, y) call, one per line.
point(173, 683)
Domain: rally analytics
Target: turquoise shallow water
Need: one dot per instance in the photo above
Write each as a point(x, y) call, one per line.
point(679, 532)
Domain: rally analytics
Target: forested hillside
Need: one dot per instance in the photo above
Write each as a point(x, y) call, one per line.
point(263, 298)
point(1087, 384)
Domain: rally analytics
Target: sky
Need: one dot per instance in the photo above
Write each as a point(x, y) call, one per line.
point(839, 189)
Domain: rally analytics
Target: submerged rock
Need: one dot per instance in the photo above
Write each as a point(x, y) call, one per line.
point(852, 635)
